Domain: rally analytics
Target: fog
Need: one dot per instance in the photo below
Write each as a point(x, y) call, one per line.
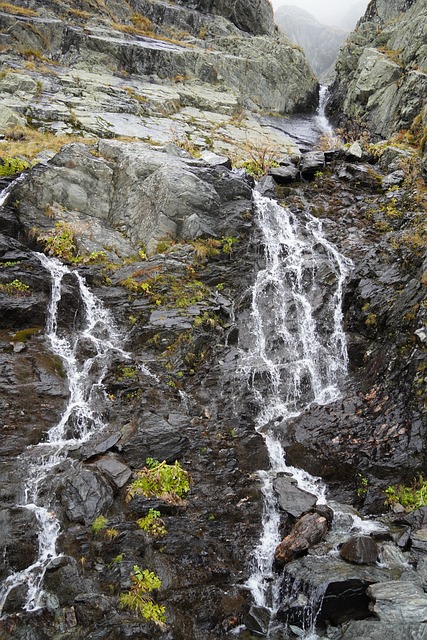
point(326, 11)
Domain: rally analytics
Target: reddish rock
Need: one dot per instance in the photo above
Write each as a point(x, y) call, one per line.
point(308, 531)
point(360, 550)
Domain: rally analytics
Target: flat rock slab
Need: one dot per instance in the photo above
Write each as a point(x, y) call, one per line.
point(291, 499)
point(399, 602)
point(115, 470)
point(285, 174)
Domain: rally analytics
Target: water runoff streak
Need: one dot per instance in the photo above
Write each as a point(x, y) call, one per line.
point(294, 354)
point(85, 354)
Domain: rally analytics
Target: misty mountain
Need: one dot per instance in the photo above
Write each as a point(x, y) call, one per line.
point(320, 42)
point(349, 20)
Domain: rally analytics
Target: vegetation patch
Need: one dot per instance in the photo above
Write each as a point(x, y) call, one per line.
point(411, 497)
point(59, 241)
point(15, 288)
point(27, 142)
point(18, 11)
point(10, 166)
point(152, 524)
point(138, 598)
point(170, 482)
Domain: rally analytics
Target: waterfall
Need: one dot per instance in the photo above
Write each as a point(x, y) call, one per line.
point(322, 121)
point(293, 354)
point(80, 420)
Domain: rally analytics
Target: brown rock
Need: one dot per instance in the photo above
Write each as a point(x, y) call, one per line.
point(308, 531)
point(360, 550)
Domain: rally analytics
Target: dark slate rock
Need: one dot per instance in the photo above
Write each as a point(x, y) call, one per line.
point(267, 186)
point(85, 494)
point(257, 620)
point(155, 438)
point(340, 588)
point(419, 540)
point(312, 162)
point(415, 519)
point(360, 550)
point(284, 174)
point(94, 449)
point(63, 578)
point(115, 470)
point(292, 499)
point(91, 607)
point(18, 540)
point(393, 179)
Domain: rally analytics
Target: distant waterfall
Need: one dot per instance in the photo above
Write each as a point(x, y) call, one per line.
point(80, 420)
point(294, 353)
point(322, 121)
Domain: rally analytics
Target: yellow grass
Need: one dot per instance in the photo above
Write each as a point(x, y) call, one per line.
point(27, 143)
point(18, 11)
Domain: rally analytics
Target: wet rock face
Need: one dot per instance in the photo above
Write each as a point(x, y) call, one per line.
point(147, 194)
point(381, 81)
point(228, 49)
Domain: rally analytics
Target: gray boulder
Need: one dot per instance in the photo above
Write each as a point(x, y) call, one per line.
point(128, 196)
point(292, 499)
point(397, 602)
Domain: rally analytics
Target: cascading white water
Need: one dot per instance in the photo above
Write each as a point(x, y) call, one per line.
point(294, 353)
point(322, 121)
point(79, 422)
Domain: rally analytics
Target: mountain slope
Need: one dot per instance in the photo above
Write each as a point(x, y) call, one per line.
point(320, 43)
point(382, 70)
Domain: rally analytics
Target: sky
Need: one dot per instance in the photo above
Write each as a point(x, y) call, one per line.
point(326, 11)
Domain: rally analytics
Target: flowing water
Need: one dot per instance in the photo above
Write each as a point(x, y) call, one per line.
point(304, 129)
point(85, 353)
point(294, 354)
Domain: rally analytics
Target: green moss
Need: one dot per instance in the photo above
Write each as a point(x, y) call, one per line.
point(25, 334)
point(99, 524)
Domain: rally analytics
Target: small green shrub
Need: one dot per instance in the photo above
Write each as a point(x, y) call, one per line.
point(12, 166)
point(15, 288)
point(59, 242)
point(161, 480)
point(411, 497)
point(152, 524)
point(138, 598)
point(99, 524)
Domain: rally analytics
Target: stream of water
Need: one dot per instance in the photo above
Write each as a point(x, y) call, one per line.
point(85, 353)
point(298, 355)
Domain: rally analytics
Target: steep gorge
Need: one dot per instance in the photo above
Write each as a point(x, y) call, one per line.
point(171, 241)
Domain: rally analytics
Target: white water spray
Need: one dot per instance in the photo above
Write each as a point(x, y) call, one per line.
point(85, 355)
point(296, 354)
point(322, 121)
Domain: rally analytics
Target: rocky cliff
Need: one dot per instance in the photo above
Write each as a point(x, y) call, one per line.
point(382, 71)
point(129, 184)
point(106, 67)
